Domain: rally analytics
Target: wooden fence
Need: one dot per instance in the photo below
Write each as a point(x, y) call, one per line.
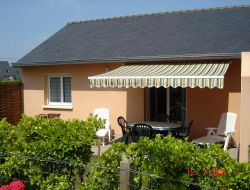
point(11, 101)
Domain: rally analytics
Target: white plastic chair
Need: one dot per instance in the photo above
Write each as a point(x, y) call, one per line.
point(223, 133)
point(103, 113)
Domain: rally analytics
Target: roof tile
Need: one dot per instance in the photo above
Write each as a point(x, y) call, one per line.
point(179, 34)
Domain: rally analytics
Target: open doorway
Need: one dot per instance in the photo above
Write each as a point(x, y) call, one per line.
point(166, 101)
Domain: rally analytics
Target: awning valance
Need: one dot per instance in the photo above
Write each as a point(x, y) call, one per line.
point(156, 75)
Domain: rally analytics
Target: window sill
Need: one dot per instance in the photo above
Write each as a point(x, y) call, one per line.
point(64, 107)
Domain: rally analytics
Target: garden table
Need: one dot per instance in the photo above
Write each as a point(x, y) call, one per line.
point(159, 127)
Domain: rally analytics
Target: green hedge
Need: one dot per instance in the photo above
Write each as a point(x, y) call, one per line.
point(8, 136)
point(162, 163)
point(10, 81)
point(170, 164)
point(28, 148)
point(104, 174)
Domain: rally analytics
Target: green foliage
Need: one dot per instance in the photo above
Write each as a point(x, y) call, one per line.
point(56, 139)
point(161, 163)
point(104, 174)
point(161, 157)
point(46, 140)
point(237, 176)
point(59, 182)
point(93, 120)
point(7, 136)
point(10, 81)
point(168, 163)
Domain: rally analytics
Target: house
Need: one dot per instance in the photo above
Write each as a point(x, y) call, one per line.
point(7, 72)
point(199, 60)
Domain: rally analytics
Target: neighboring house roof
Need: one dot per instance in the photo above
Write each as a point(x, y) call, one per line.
point(8, 72)
point(205, 33)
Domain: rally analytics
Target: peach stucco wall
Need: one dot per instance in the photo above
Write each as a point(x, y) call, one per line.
point(120, 101)
point(205, 106)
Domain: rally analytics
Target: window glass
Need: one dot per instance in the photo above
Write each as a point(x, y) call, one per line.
point(55, 89)
point(178, 103)
point(163, 102)
point(158, 101)
point(66, 89)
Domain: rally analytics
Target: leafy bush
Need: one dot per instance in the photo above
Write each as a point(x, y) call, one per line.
point(7, 136)
point(56, 139)
point(169, 163)
point(104, 174)
point(237, 176)
point(161, 157)
point(10, 81)
point(94, 122)
point(36, 145)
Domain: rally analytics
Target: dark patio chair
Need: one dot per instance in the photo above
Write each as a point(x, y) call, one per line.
point(183, 132)
point(125, 131)
point(141, 130)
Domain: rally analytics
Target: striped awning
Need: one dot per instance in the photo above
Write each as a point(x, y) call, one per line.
point(156, 75)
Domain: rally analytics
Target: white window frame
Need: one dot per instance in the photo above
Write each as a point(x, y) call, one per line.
point(61, 86)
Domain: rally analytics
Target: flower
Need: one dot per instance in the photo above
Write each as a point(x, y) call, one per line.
point(5, 187)
point(14, 185)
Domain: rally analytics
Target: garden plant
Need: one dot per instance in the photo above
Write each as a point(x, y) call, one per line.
point(56, 154)
point(168, 163)
point(41, 151)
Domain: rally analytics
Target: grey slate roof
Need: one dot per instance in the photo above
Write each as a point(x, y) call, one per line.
point(8, 72)
point(205, 33)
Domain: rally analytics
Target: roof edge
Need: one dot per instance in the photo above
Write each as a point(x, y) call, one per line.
point(136, 59)
point(160, 13)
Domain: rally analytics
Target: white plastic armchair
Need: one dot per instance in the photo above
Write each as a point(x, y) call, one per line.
point(226, 125)
point(103, 113)
point(223, 133)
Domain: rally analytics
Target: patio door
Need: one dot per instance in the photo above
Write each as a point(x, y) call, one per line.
point(166, 101)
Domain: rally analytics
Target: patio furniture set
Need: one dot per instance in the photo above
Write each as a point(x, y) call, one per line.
point(150, 128)
point(132, 131)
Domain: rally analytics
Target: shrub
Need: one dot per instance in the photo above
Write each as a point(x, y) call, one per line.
point(42, 150)
point(237, 176)
point(7, 136)
point(169, 163)
point(10, 81)
point(56, 139)
point(104, 174)
point(94, 122)
point(161, 157)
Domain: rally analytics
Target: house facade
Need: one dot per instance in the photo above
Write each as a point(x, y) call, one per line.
point(194, 65)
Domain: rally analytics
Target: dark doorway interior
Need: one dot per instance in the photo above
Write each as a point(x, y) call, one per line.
point(171, 101)
point(158, 102)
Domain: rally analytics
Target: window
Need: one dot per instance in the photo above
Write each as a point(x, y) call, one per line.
point(60, 90)
point(166, 101)
point(177, 103)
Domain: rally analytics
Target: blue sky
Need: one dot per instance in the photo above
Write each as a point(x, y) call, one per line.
point(24, 24)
